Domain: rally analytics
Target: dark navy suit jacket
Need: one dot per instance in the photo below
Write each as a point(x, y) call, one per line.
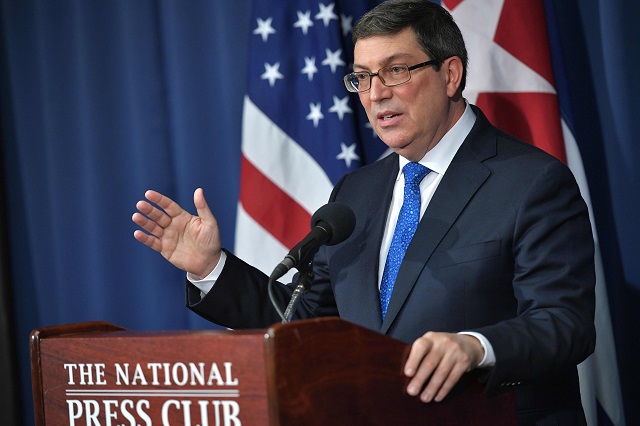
point(504, 249)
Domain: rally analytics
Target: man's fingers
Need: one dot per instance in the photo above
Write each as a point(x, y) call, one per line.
point(436, 363)
point(148, 240)
point(150, 226)
point(418, 351)
point(420, 364)
point(153, 213)
point(165, 203)
point(423, 375)
point(453, 378)
point(204, 212)
point(443, 379)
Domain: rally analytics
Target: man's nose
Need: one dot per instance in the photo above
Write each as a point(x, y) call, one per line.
point(378, 90)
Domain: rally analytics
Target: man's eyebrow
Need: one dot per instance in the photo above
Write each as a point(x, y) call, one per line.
point(387, 61)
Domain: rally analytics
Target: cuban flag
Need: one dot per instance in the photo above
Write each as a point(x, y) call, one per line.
point(513, 80)
point(302, 131)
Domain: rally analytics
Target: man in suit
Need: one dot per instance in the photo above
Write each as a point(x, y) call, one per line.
point(499, 275)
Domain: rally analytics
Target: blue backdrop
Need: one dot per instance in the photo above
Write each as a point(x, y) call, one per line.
point(102, 100)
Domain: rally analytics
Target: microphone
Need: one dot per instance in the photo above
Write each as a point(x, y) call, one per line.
point(330, 224)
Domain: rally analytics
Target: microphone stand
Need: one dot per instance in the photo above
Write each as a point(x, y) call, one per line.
point(305, 278)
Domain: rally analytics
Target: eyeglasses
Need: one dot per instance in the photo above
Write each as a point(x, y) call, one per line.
point(391, 75)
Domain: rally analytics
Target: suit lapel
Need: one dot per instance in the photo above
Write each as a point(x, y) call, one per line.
point(372, 218)
point(462, 179)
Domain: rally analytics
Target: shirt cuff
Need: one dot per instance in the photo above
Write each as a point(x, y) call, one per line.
point(489, 358)
point(205, 284)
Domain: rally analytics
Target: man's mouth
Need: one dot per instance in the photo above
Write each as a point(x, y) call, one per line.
point(387, 117)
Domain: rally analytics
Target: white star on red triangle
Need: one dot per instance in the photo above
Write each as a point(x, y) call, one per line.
point(501, 72)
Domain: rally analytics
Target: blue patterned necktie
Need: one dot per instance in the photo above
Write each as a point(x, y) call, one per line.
point(405, 228)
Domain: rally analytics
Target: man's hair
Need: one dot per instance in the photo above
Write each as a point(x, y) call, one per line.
point(434, 27)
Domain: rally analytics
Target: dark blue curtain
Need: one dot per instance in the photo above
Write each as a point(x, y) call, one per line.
point(612, 33)
point(102, 100)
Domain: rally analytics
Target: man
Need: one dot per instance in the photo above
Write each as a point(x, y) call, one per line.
point(499, 274)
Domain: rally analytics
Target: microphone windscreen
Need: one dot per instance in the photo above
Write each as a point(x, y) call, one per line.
point(340, 219)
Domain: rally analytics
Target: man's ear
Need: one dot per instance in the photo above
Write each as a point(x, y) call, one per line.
point(453, 68)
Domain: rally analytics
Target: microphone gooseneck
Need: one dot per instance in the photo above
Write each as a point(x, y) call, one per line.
point(330, 224)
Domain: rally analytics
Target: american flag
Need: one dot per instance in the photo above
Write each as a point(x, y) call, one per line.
point(302, 130)
point(515, 82)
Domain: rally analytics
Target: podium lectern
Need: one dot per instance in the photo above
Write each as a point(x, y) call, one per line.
point(313, 372)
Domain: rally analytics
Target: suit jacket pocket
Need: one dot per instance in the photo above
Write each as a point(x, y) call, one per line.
point(470, 253)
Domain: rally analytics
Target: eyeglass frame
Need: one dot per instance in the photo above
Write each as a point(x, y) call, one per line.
point(377, 74)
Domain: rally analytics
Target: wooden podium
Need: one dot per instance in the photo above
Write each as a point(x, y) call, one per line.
point(315, 372)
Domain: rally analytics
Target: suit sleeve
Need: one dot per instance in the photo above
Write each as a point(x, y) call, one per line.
point(553, 283)
point(240, 299)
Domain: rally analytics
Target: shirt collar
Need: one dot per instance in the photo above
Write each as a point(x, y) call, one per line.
point(440, 156)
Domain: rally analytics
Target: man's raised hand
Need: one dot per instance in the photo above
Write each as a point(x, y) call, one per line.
point(191, 243)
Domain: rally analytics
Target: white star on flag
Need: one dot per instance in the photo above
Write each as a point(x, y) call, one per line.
point(264, 28)
point(304, 21)
point(333, 59)
point(348, 154)
point(272, 73)
point(326, 14)
point(340, 107)
point(309, 67)
point(315, 114)
point(346, 23)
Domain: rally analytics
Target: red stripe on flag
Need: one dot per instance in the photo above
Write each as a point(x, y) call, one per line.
point(271, 207)
point(532, 117)
point(522, 31)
